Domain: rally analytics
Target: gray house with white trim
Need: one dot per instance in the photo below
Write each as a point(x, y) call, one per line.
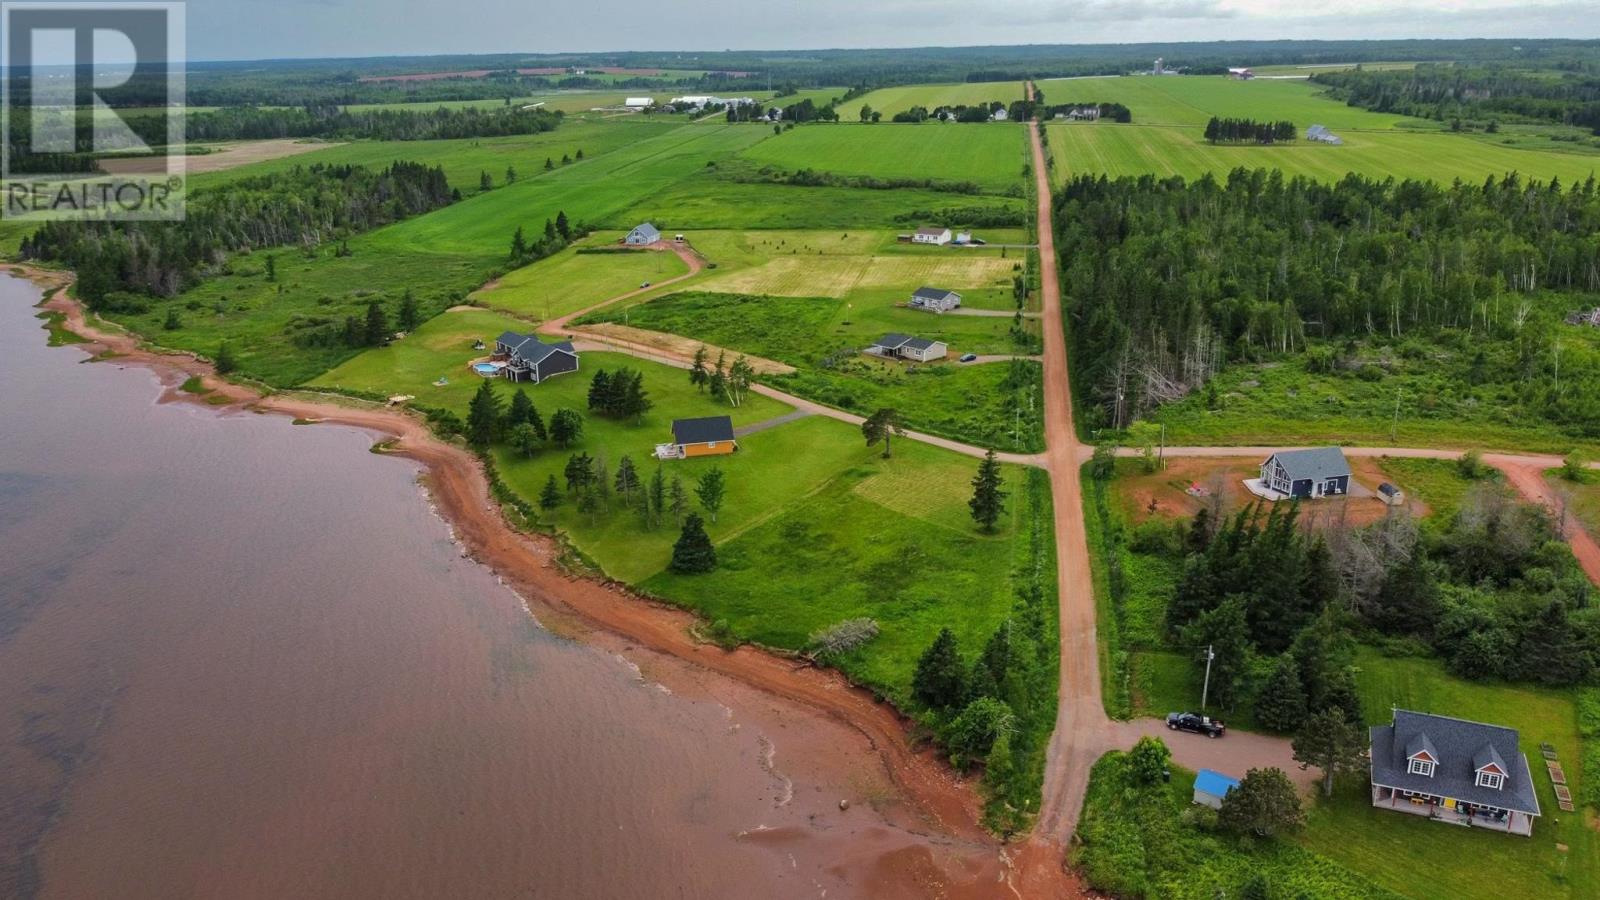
point(530, 359)
point(1453, 770)
point(642, 235)
point(1307, 474)
point(904, 346)
point(935, 299)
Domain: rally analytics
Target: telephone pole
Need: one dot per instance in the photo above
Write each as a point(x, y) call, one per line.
point(1205, 690)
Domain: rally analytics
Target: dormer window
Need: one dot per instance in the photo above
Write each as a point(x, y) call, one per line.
point(1420, 766)
point(1489, 779)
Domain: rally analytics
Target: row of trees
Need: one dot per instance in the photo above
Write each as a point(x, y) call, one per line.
point(1169, 280)
point(303, 206)
point(333, 121)
point(1449, 92)
point(728, 383)
point(1248, 131)
point(557, 235)
point(619, 394)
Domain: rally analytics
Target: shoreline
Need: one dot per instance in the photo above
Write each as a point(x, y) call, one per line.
point(460, 493)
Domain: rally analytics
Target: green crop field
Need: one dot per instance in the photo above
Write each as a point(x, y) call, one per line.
point(571, 281)
point(806, 274)
point(987, 156)
point(1137, 150)
point(899, 99)
point(1193, 99)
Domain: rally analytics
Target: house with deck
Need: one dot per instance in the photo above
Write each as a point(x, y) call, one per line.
point(935, 299)
point(1453, 770)
point(903, 346)
point(1305, 474)
point(524, 357)
point(642, 235)
point(705, 436)
point(931, 235)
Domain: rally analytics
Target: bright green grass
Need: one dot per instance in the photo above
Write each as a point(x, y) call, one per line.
point(991, 157)
point(892, 100)
point(794, 269)
point(1192, 100)
point(1135, 842)
point(709, 200)
point(465, 159)
point(1585, 499)
point(1436, 482)
point(857, 548)
point(1403, 852)
point(571, 281)
point(1139, 149)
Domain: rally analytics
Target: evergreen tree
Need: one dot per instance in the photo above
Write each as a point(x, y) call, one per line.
point(518, 412)
point(1264, 804)
point(550, 497)
point(1333, 744)
point(677, 500)
point(549, 164)
point(1281, 703)
point(658, 496)
point(377, 328)
point(485, 183)
point(880, 427)
point(483, 416)
point(693, 553)
point(579, 472)
point(225, 361)
point(635, 400)
point(549, 230)
point(599, 391)
point(697, 371)
point(272, 267)
point(519, 244)
point(711, 489)
point(1226, 631)
point(1550, 652)
point(988, 500)
point(174, 321)
point(563, 225)
point(511, 175)
point(409, 317)
point(627, 480)
point(939, 680)
point(524, 438)
point(566, 427)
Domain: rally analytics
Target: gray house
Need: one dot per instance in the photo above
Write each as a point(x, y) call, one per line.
point(904, 346)
point(1453, 770)
point(1319, 472)
point(935, 299)
point(642, 235)
point(530, 359)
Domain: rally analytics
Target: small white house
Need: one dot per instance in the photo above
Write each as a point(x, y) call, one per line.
point(642, 235)
point(938, 236)
point(935, 299)
point(1000, 115)
point(639, 102)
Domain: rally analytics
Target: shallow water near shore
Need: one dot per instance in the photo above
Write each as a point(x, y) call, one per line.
point(243, 658)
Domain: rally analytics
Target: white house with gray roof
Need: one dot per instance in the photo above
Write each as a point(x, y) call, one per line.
point(1307, 474)
point(642, 235)
point(1453, 770)
point(904, 346)
point(935, 299)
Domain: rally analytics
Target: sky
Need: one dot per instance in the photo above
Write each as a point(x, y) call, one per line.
point(261, 29)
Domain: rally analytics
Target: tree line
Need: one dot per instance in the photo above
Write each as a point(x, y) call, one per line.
point(332, 121)
point(303, 206)
point(1248, 131)
point(1168, 280)
point(1450, 92)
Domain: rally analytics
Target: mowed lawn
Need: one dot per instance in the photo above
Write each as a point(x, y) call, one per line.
point(1115, 150)
point(1194, 99)
point(571, 281)
point(795, 270)
point(893, 100)
point(889, 539)
point(987, 156)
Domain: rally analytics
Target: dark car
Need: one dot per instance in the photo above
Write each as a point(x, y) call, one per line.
point(1198, 724)
point(969, 357)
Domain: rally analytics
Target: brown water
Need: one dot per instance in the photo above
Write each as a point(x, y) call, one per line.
point(243, 658)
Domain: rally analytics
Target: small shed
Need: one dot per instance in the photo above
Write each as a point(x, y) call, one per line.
point(1211, 786)
point(706, 436)
point(1391, 494)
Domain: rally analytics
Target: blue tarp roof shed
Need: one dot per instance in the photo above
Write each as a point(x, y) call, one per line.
point(1214, 783)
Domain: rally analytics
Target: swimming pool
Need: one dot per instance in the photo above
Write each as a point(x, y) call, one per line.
point(487, 370)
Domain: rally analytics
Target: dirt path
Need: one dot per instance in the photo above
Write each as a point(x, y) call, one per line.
point(530, 564)
point(757, 428)
point(695, 262)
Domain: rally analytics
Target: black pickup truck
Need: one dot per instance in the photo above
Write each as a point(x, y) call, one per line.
point(1196, 723)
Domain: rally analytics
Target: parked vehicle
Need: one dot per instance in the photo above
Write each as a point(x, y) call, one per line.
point(1196, 723)
point(969, 357)
point(644, 285)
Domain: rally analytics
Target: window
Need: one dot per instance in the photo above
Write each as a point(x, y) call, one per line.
point(1490, 780)
point(1423, 767)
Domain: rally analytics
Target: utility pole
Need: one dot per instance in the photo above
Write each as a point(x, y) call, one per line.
point(1205, 690)
point(1394, 430)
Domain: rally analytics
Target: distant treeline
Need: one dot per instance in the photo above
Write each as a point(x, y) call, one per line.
point(1169, 280)
point(1447, 92)
point(326, 121)
point(1114, 112)
point(117, 262)
point(1248, 131)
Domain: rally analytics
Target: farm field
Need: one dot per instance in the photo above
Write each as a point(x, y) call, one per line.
point(1191, 100)
point(571, 281)
point(802, 268)
point(885, 538)
point(893, 100)
point(988, 156)
point(1115, 150)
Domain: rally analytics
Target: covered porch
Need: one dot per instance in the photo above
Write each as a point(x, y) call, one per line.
point(1446, 809)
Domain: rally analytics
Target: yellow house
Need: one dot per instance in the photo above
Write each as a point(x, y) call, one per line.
point(707, 436)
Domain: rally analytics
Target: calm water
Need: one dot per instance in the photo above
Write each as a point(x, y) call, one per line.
point(242, 658)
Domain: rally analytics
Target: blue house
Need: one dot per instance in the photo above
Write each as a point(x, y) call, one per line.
point(1211, 786)
point(1307, 474)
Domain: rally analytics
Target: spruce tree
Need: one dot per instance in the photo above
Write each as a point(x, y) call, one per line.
point(694, 553)
point(599, 391)
point(520, 410)
point(578, 471)
point(410, 318)
point(563, 225)
point(677, 500)
point(940, 678)
point(377, 327)
point(988, 500)
point(1281, 704)
point(225, 361)
point(657, 495)
point(566, 427)
point(1333, 744)
point(550, 497)
point(483, 416)
point(627, 479)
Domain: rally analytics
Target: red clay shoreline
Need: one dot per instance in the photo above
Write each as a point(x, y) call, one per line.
point(460, 490)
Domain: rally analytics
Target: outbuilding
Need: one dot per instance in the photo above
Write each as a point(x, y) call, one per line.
point(642, 235)
point(639, 102)
point(705, 436)
point(1211, 786)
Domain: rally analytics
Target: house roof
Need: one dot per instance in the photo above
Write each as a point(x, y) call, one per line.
point(1488, 756)
point(530, 349)
point(1418, 744)
point(1314, 464)
point(892, 341)
point(932, 230)
point(703, 430)
point(932, 293)
point(646, 229)
point(1460, 747)
point(1208, 781)
point(920, 344)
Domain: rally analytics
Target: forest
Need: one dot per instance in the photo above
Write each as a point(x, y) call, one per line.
point(1168, 281)
point(117, 262)
point(1452, 92)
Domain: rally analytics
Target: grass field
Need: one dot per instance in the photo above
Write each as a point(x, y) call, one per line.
point(1585, 503)
point(899, 99)
point(1140, 149)
point(1193, 99)
point(1436, 482)
point(856, 547)
point(991, 157)
point(571, 281)
point(798, 267)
